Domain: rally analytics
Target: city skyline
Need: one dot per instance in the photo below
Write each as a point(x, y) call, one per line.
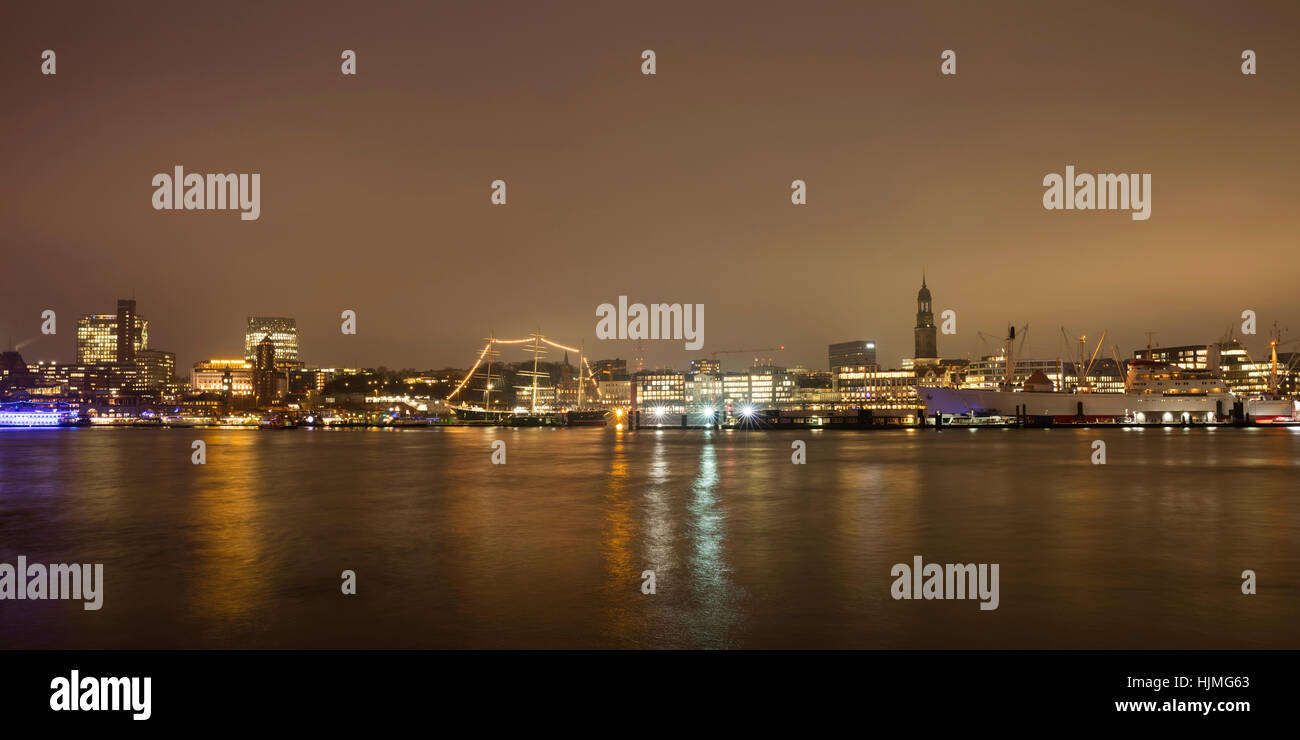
point(925, 333)
point(906, 171)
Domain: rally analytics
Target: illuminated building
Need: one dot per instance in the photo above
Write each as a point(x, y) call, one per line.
point(1250, 376)
point(615, 393)
point(97, 337)
point(1189, 357)
point(157, 369)
point(220, 376)
point(860, 352)
point(282, 331)
point(704, 389)
point(710, 367)
point(661, 389)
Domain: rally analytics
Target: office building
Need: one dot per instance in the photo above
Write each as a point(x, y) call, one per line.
point(282, 331)
point(859, 352)
point(98, 337)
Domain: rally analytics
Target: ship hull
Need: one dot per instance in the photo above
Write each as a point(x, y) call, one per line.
point(1270, 411)
point(1079, 407)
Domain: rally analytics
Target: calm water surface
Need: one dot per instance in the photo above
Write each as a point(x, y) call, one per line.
point(749, 550)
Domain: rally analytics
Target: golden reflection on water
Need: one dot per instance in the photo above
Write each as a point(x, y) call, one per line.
point(616, 545)
point(228, 520)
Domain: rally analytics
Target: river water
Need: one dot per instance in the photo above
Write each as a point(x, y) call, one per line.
point(748, 549)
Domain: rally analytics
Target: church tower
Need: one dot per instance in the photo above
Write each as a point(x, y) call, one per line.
point(927, 351)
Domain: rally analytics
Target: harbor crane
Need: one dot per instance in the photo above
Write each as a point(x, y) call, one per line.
point(715, 354)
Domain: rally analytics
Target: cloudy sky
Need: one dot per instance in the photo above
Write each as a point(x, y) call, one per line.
point(375, 189)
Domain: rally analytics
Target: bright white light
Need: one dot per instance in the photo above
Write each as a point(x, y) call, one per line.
point(747, 412)
point(659, 411)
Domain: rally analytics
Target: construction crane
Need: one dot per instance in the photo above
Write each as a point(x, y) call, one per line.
point(714, 356)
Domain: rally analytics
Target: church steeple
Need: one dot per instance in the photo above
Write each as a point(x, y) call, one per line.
point(926, 339)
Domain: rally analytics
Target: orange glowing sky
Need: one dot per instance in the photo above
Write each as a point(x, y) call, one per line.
point(671, 188)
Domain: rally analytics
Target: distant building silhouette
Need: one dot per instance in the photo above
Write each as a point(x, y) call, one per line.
point(264, 372)
point(927, 348)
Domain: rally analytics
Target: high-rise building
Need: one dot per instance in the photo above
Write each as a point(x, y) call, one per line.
point(927, 346)
point(157, 368)
point(282, 331)
point(264, 372)
point(860, 352)
point(97, 337)
point(127, 330)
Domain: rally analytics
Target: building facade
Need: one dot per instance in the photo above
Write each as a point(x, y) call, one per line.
point(282, 331)
point(855, 353)
point(222, 376)
point(265, 373)
point(98, 337)
point(926, 349)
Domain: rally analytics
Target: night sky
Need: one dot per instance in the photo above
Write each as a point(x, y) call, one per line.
point(671, 188)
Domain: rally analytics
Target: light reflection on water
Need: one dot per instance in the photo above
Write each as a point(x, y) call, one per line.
point(748, 549)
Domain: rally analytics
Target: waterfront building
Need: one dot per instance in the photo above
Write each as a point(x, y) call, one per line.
point(303, 379)
point(615, 393)
point(1250, 376)
point(98, 336)
point(157, 370)
point(814, 398)
point(223, 376)
point(704, 389)
point(770, 387)
point(1188, 357)
point(282, 331)
point(852, 354)
point(661, 388)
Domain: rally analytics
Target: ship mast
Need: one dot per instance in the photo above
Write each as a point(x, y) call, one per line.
point(1272, 372)
point(488, 384)
point(581, 381)
point(1009, 373)
point(537, 351)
